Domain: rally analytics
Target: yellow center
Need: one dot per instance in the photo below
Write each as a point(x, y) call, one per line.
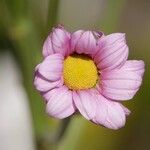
point(80, 72)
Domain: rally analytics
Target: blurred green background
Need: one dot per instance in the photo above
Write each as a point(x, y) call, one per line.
point(24, 25)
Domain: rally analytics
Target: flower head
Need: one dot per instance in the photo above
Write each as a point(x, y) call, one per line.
point(88, 71)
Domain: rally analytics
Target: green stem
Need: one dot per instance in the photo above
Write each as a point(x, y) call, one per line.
point(62, 128)
point(52, 13)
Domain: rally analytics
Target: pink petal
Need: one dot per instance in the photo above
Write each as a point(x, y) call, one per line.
point(59, 103)
point(126, 110)
point(136, 66)
point(47, 47)
point(44, 85)
point(52, 66)
point(109, 114)
point(85, 103)
point(120, 84)
point(113, 51)
point(36, 68)
point(84, 42)
point(57, 42)
point(98, 109)
point(75, 37)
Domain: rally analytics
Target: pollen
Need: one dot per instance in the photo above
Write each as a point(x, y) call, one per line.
point(80, 72)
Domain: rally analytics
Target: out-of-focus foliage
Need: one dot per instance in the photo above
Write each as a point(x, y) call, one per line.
point(22, 31)
point(24, 26)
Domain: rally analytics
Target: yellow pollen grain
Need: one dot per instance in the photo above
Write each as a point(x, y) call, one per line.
point(79, 72)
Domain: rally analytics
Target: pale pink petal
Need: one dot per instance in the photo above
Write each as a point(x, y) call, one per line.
point(75, 38)
point(59, 103)
point(84, 42)
point(44, 85)
point(98, 109)
point(126, 110)
point(57, 42)
point(109, 113)
point(120, 84)
point(85, 103)
point(36, 68)
point(47, 46)
point(136, 66)
point(61, 41)
point(113, 51)
point(52, 66)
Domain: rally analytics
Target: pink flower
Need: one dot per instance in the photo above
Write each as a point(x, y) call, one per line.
point(88, 71)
